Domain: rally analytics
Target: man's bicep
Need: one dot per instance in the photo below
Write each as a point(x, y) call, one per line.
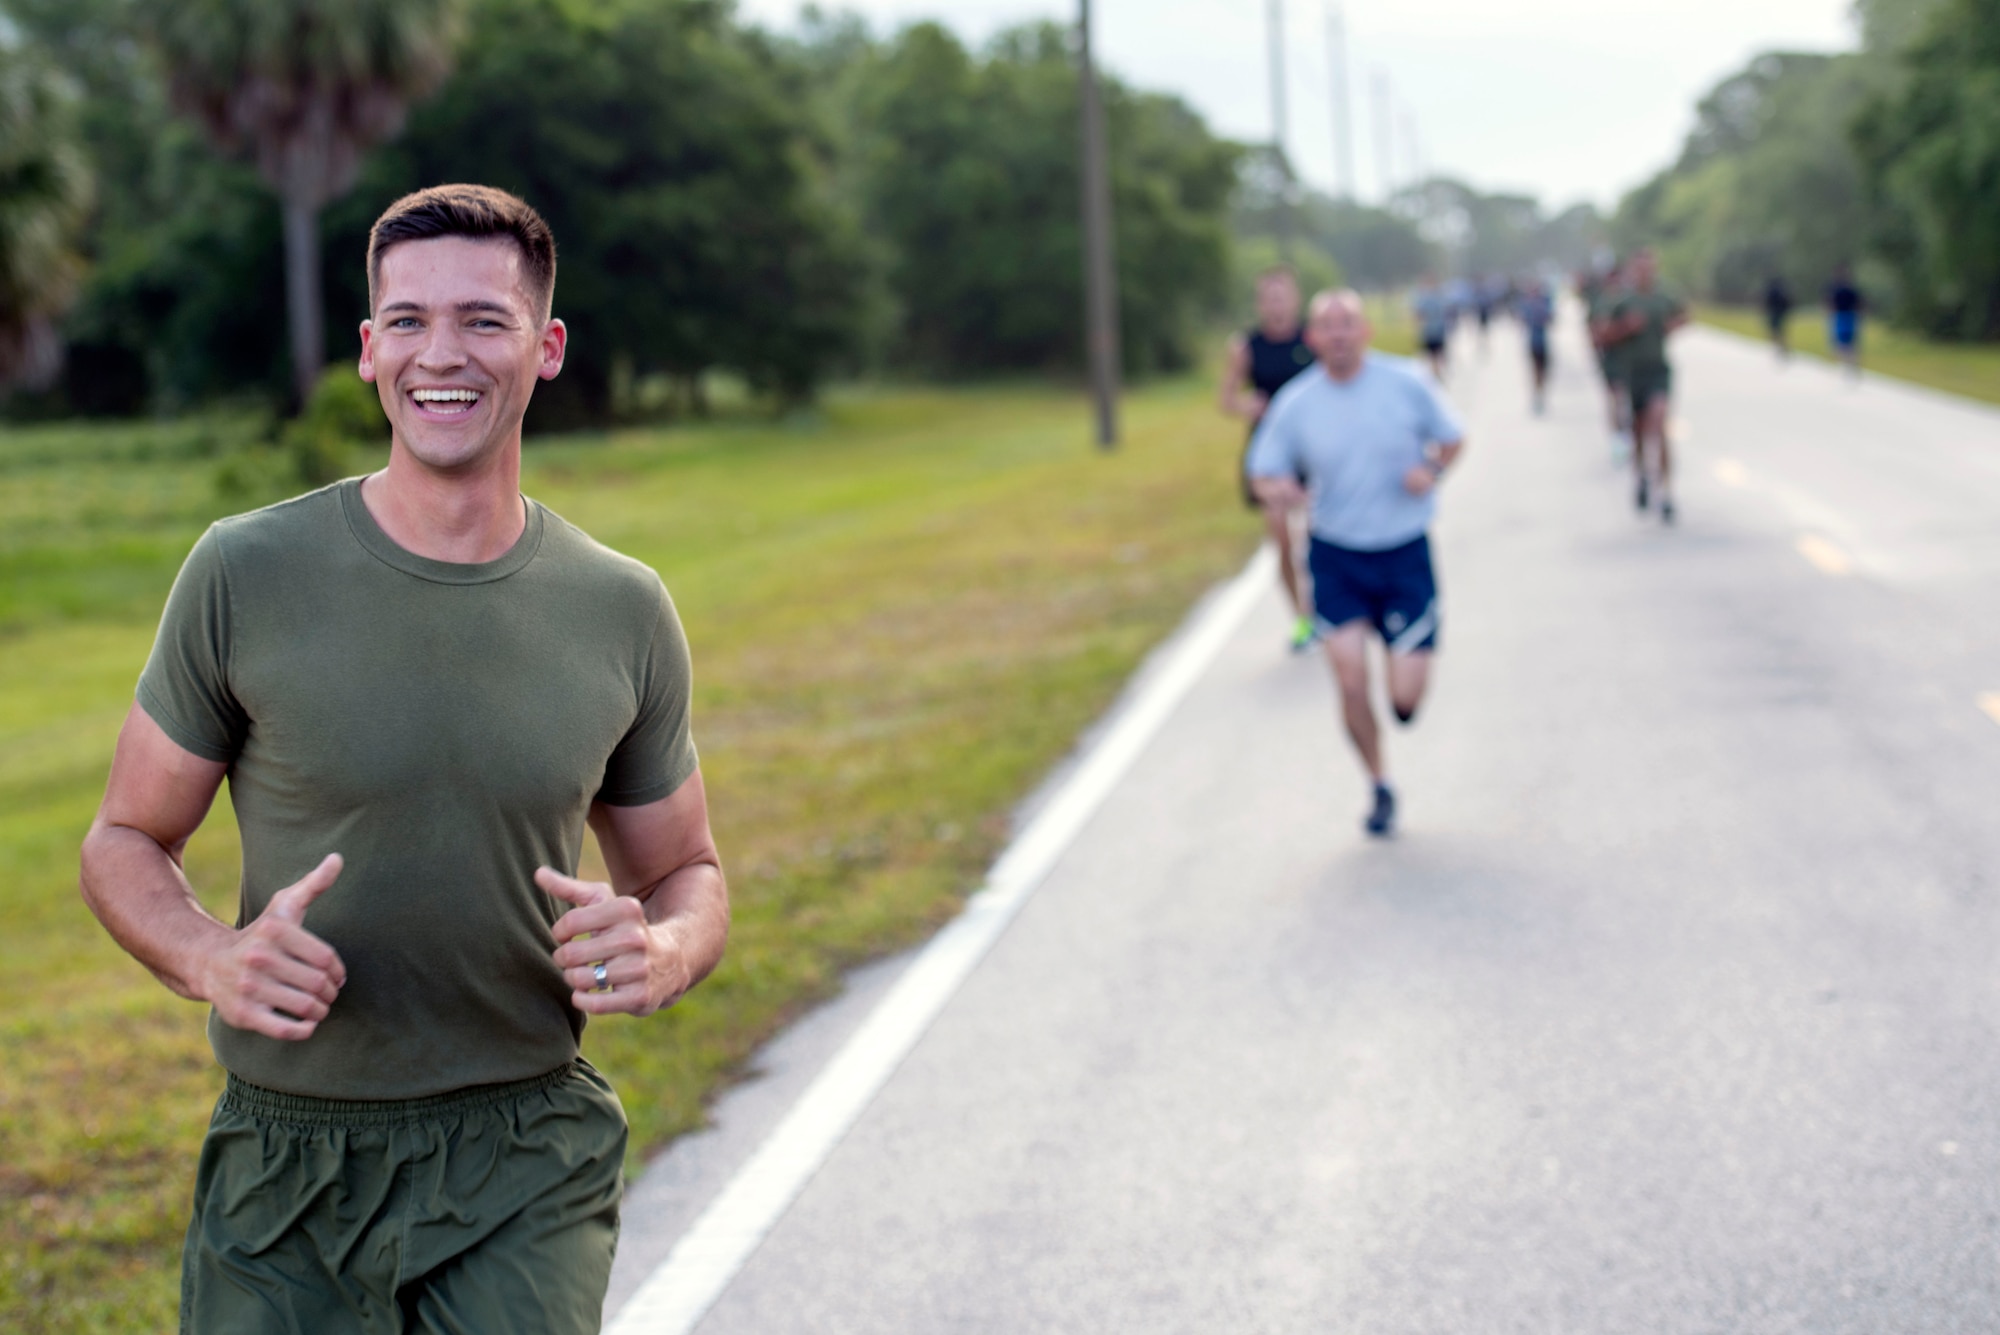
point(642, 844)
point(157, 786)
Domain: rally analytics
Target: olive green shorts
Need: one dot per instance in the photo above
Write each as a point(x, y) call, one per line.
point(1646, 383)
point(485, 1211)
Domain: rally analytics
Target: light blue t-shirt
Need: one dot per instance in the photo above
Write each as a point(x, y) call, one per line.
point(1353, 443)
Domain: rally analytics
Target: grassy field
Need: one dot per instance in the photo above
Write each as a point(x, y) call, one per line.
point(903, 611)
point(1971, 369)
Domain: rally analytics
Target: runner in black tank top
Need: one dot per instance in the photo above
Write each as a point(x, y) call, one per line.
point(1261, 363)
point(1273, 363)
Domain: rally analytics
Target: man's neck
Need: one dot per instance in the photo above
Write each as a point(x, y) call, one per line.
point(1279, 331)
point(1346, 372)
point(467, 518)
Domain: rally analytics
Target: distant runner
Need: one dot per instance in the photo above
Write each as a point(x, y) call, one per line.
point(1433, 309)
point(1843, 304)
point(1371, 436)
point(1638, 325)
point(1778, 310)
point(1599, 299)
point(1535, 310)
point(1260, 363)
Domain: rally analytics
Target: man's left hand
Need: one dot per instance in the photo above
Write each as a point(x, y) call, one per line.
point(1419, 480)
point(644, 966)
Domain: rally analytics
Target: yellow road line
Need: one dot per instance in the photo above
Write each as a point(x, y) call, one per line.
point(1731, 474)
point(1989, 703)
point(1829, 558)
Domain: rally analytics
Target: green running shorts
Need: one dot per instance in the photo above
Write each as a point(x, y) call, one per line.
point(480, 1212)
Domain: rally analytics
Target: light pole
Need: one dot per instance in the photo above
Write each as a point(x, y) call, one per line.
point(1100, 277)
point(1385, 136)
point(1343, 114)
point(1276, 10)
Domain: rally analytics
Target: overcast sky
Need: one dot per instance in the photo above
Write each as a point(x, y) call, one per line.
point(1564, 99)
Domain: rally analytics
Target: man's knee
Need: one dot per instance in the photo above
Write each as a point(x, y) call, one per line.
point(1350, 670)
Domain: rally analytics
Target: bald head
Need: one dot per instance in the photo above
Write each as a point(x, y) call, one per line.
point(1343, 299)
point(1337, 330)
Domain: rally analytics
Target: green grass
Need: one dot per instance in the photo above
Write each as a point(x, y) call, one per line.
point(902, 611)
point(1971, 369)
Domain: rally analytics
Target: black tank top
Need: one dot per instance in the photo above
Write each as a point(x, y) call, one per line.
point(1274, 363)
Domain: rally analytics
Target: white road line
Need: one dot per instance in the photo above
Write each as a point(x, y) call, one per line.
point(715, 1247)
point(1829, 558)
point(1731, 473)
point(1989, 704)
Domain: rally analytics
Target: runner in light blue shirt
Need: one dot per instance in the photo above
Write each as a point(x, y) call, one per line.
point(1371, 436)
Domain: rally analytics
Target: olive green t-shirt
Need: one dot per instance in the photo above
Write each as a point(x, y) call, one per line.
point(1646, 351)
point(445, 728)
point(1603, 299)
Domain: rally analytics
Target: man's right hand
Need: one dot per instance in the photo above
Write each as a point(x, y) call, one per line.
point(274, 977)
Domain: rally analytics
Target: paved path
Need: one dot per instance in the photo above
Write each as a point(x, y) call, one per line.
point(1673, 1009)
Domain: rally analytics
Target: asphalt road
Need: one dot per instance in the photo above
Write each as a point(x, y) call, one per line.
point(1672, 1009)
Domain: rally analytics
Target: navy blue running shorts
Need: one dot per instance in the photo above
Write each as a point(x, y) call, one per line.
point(1395, 591)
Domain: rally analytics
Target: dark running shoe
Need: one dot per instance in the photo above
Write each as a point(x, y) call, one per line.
point(1381, 821)
point(1639, 497)
point(1666, 510)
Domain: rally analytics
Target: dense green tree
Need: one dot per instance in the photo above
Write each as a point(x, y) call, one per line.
point(1890, 27)
point(44, 192)
point(304, 88)
point(177, 303)
point(1480, 233)
point(1376, 249)
point(1930, 149)
point(1767, 184)
point(968, 168)
point(667, 148)
point(1332, 239)
point(1441, 225)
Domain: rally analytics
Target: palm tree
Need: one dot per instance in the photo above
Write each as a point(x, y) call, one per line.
point(45, 192)
point(305, 88)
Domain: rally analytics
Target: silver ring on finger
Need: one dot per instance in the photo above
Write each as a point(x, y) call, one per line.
point(602, 974)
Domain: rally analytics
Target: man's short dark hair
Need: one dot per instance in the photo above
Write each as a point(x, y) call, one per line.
point(1278, 273)
point(476, 211)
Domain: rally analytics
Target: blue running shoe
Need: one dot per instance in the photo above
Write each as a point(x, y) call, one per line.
point(1381, 821)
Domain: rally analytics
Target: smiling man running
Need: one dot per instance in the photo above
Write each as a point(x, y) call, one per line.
point(421, 687)
point(1371, 436)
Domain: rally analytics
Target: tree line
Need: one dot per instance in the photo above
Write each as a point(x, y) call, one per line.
point(181, 178)
point(1438, 225)
point(186, 188)
point(1881, 160)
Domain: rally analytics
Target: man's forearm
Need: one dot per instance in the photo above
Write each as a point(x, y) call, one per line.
point(693, 904)
point(139, 892)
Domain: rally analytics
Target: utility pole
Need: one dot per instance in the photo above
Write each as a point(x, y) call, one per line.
point(1100, 277)
point(1385, 136)
point(1343, 117)
point(1276, 11)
